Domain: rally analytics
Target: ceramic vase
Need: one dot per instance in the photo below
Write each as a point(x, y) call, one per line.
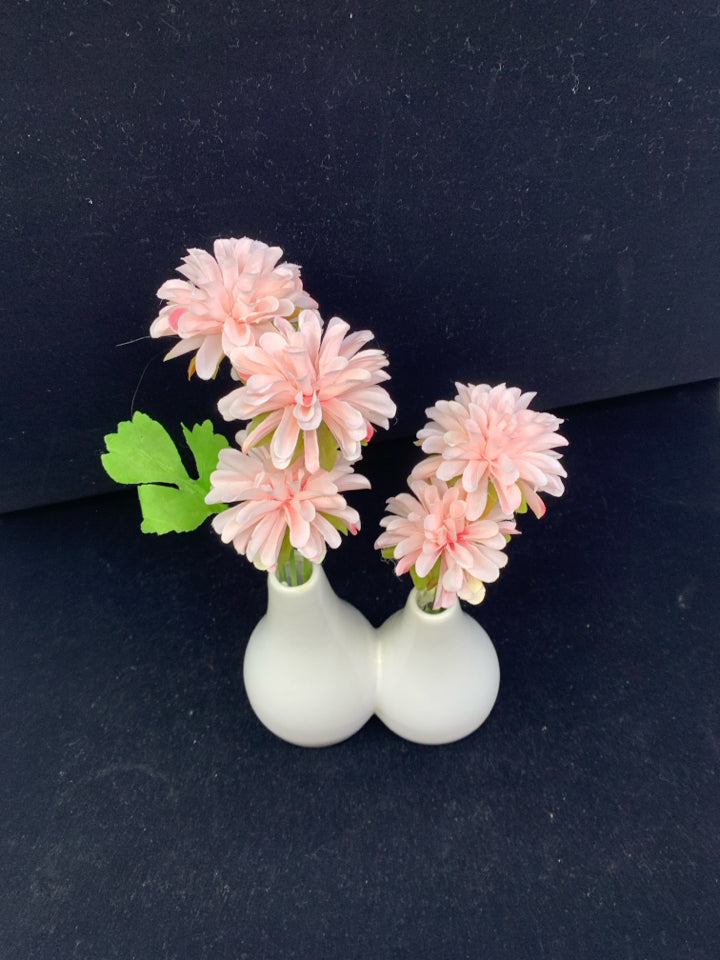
point(310, 664)
point(438, 674)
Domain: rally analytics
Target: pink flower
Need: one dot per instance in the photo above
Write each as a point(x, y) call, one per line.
point(298, 379)
point(273, 503)
point(227, 300)
point(487, 435)
point(433, 525)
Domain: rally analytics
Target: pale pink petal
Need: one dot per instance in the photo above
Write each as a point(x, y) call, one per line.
point(435, 523)
point(329, 533)
point(509, 497)
point(208, 357)
point(184, 346)
point(426, 560)
point(299, 528)
point(261, 431)
point(284, 441)
point(267, 502)
point(491, 431)
point(310, 376)
point(233, 295)
point(312, 451)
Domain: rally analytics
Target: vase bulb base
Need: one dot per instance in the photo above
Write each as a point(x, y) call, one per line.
point(309, 667)
point(439, 674)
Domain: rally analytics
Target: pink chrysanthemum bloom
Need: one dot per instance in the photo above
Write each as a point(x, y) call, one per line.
point(298, 379)
point(432, 527)
point(227, 301)
point(272, 503)
point(487, 435)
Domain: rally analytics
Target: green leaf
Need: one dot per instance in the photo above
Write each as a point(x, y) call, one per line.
point(428, 582)
point(337, 523)
point(426, 587)
point(420, 583)
point(142, 451)
point(328, 447)
point(206, 446)
point(170, 510)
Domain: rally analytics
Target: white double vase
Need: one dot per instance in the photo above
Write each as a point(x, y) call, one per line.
point(315, 670)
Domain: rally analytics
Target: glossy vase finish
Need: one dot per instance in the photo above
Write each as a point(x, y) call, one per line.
point(438, 674)
point(310, 664)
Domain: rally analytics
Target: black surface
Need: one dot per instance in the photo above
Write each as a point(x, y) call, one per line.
point(146, 813)
point(503, 191)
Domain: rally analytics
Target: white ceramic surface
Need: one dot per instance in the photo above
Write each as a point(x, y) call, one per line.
point(438, 674)
point(311, 664)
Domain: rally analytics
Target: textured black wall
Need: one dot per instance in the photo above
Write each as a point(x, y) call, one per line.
point(501, 190)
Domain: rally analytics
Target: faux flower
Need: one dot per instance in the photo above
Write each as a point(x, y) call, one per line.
point(431, 532)
point(281, 508)
point(297, 379)
point(488, 436)
point(227, 300)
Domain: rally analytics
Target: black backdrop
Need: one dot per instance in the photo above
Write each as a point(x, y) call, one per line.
point(507, 190)
point(501, 190)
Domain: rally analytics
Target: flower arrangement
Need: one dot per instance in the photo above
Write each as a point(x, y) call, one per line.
point(306, 397)
point(310, 396)
point(489, 457)
point(309, 392)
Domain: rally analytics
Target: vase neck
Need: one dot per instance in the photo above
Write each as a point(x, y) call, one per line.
point(285, 600)
point(429, 622)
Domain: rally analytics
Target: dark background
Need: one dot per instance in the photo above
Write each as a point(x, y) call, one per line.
point(145, 812)
point(503, 191)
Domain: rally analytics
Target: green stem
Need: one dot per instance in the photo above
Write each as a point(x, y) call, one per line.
point(426, 599)
point(293, 568)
